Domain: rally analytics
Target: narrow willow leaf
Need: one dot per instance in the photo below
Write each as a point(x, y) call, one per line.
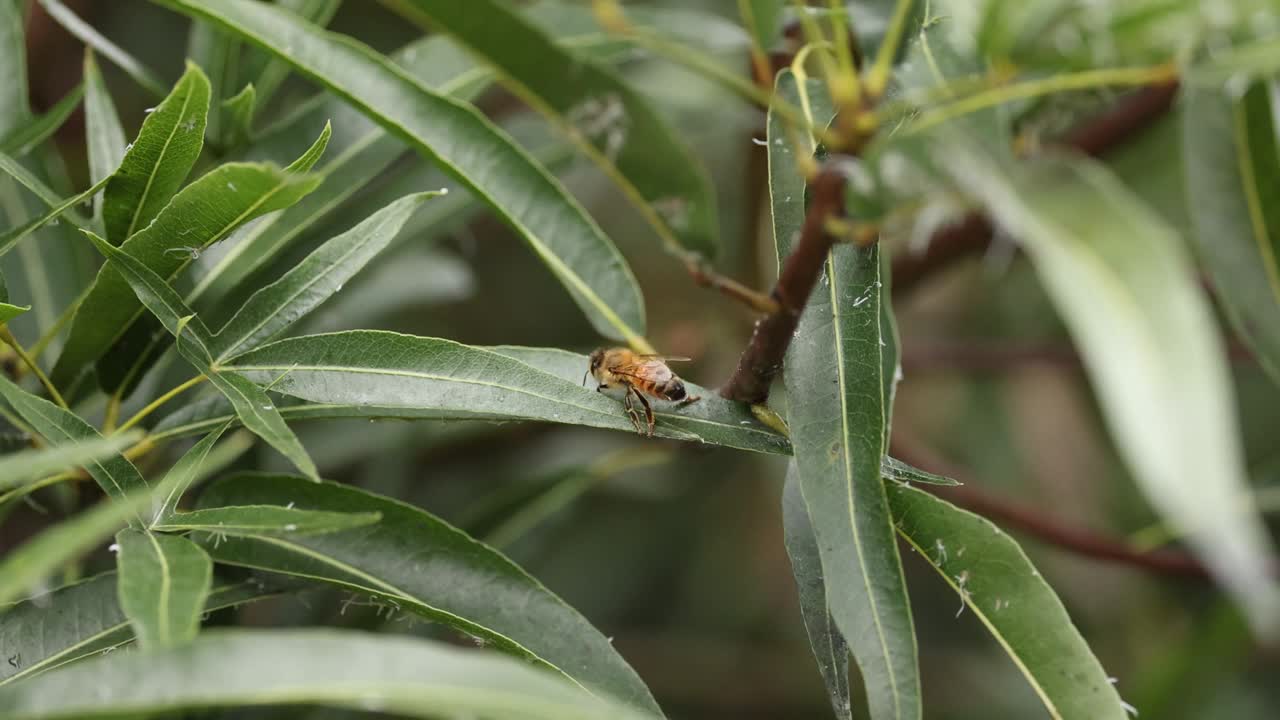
point(84, 619)
point(239, 116)
point(14, 236)
point(370, 367)
point(15, 110)
point(116, 475)
point(837, 415)
point(28, 465)
point(837, 419)
point(275, 307)
point(72, 23)
point(155, 165)
point(829, 647)
point(43, 127)
point(9, 311)
point(898, 471)
point(616, 126)
point(399, 675)
point(420, 564)
point(1125, 287)
point(1232, 171)
point(205, 212)
point(466, 145)
point(37, 186)
point(24, 569)
point(259, 520)
point(163, 583)
point(998, 583)
point(252, 406)
point(183, 474)
point(203, 415)
point(104, 137)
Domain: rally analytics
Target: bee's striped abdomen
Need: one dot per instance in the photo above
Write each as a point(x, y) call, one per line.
point(672, 390)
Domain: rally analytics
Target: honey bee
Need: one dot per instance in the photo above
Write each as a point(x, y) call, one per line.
point(636, 376)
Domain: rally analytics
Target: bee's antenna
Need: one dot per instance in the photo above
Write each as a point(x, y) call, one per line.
point(584, 378)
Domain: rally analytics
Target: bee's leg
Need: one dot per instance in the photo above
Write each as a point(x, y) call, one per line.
point(632, 414)
point(648, 411)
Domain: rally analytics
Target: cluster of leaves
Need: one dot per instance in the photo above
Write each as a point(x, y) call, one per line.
point(146, 320)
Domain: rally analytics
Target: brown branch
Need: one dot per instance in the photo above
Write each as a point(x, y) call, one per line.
point(762, 360)
point(1031, 522)
point(1097, 136)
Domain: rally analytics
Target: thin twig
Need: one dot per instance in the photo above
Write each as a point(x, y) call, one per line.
point(762, 359)
point(1031, 522)
point(8, 338)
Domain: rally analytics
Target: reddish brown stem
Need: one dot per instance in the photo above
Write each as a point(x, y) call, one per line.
point(762, 359)
point(1042, 527)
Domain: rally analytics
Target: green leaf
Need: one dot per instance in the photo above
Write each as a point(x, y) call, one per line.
point(399, 675)
point(72, 23)
point(898, 471)
point(116, 475)
point(617, 127)
point(28, 465)
point(251, 403)
point(998, 583)
point(420, 564)
point(466, 145)
point(183, 474)
point(239, 116)
point(9, 311)
point(837, 413)
point(24, 569)
point(37, 186)
point(155, 165)
point(15, 110)
point(15, 235)
point(104, 137)
point(1232, 174)
point(257, 520)
point(837, 421)
point(385, 369)
point(1126, 289)
point(43, 127)
point(163, 583)
point(829, 647)
point(275, 307)
point(84, 619)
point(205, 212)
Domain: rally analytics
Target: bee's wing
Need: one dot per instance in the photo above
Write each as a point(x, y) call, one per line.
point(649, 368)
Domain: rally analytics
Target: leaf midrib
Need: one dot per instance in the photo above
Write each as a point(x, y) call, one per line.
point(162, 601)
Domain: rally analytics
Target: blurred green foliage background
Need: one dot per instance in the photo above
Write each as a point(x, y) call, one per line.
point(675, 550)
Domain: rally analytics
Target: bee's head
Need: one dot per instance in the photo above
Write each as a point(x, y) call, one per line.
point(596, 358)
